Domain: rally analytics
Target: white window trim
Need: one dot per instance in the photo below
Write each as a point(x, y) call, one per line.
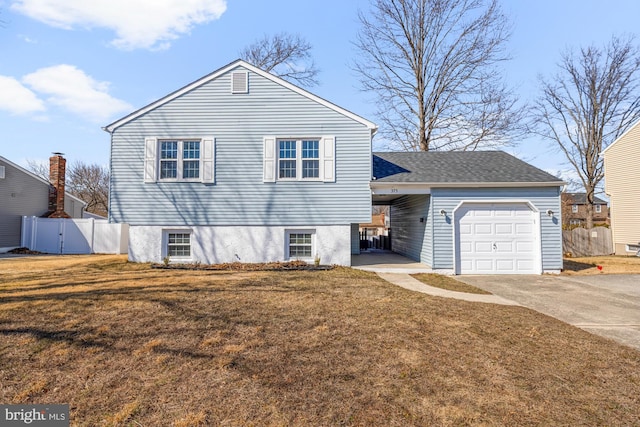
point(598, 208)
point(206, 161)
point(632, 248)
point(1, 172)
point(574, 208)
point(326, 164)
point(165, 244)
point(180, 160)
point(288, 232)
point(299, 159)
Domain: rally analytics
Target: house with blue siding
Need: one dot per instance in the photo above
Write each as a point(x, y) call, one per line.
point(480, 212)
point(241, 165)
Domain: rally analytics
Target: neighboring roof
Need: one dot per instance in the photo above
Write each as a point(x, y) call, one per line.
point(581, 199)
point(458, 167)
point(237, 63)
point(33, 175)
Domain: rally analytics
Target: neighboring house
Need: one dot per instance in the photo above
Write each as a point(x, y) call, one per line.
point(22, 193)
point(483, 212)
point(377, 227)
point(574, 210)
point(622, 185)
point(241, 165)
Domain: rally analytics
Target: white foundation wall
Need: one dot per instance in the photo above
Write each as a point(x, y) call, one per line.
point(222, 244)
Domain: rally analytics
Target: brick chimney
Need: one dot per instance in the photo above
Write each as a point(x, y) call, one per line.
point(57, 170)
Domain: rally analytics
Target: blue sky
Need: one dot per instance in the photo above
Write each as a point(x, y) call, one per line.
point(69, 67)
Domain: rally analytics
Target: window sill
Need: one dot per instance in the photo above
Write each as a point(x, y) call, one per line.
point(299, 180)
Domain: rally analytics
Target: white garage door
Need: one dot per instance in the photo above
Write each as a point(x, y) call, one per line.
point(497, 239)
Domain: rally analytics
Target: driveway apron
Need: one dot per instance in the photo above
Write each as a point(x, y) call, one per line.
point(606, 305)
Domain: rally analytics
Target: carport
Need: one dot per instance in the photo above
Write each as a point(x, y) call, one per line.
point(471, 212)
point(381, 261)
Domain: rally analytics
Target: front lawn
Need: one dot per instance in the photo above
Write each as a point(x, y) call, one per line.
point(612, 264)
point(125, 344)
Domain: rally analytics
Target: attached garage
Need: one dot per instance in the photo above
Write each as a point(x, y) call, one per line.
point(471, 212)
point(497, 238)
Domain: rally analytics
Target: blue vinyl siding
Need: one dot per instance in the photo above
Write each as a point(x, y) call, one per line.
point(426, 255)
point(238, 122)
point(542, 198)
point(408, 234)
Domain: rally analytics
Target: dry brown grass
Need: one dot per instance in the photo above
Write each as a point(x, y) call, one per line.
point(609, 265)
point(127, 345)
point(449, 283)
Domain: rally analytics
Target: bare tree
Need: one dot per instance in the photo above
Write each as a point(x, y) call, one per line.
point(590, 102)
point(285, 55)
point(432, 65)
point(88, 182)
point(39, 168)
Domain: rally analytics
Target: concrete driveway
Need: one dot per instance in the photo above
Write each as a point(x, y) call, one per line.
point(606, 305)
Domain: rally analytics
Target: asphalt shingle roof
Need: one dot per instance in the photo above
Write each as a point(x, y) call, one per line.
point(581, 199)
point(456, 167)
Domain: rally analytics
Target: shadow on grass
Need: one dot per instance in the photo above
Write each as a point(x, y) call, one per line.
point(570, 265)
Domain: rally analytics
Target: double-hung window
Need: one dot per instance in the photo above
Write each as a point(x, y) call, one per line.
point(574, 208)
point(300, 244)
point(179, 245)
point(598, 208)
point(180, 159)
point(299, 159)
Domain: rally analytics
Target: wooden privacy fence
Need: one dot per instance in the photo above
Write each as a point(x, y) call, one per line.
point(582, 242)
point(74, 236)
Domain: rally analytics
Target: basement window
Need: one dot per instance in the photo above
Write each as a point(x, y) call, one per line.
point(178, 245)
point(633, 248)
point(300, 244)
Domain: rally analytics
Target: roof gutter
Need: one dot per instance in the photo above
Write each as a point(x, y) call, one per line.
point(389, 184)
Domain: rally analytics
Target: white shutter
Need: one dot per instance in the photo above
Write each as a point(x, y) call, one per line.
point(150, 159)
point(328, 158)
point(269, 171)
point(208, 160)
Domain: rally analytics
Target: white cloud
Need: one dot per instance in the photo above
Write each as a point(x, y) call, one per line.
point(72, 89)
point(17, 99)
point(27, 39)
point(148, 24)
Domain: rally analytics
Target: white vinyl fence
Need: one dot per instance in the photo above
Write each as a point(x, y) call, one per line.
point(74, 236)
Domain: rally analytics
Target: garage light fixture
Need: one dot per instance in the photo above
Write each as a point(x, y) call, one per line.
point(549, 212)
point(443, 212)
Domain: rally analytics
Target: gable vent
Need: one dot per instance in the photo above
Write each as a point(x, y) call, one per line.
point(240, 82)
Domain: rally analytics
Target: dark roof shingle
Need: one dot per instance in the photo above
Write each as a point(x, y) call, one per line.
point(581, 199)
point(456, 167)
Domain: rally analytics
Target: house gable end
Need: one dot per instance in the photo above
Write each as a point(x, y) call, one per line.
point(234, 68)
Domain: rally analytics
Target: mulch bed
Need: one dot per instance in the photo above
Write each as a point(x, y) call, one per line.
point(24, 251)
point(240, 266)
